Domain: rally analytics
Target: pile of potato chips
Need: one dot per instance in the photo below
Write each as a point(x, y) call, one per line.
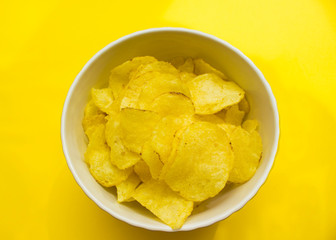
point(170, 134)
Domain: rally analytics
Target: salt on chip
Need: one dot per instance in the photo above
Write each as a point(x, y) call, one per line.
point(120, 156)
point(167, 205)
point(98, 157)
point(142, 170)
point(247, 148)
point(202, 162)
point(172, 103)
point(202, 67)
point(210, 93)
point(120, 75)
point(187, 66)
point(152, 159)
point(126, 188)
point(103, 99)
point(137, 126)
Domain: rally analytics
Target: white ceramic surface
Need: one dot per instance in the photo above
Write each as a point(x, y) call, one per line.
point(165, 43)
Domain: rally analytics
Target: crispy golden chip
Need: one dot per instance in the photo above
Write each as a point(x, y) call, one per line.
point(152, 159)
point(92, 116)
point(202, 162)
point(103, 99)
point(137, 127)
point(126, 188)
point(202, 67)
point(232, 115)
point(187, 66)
point(120, 75)
point(142, 170)
point(158, 198)
point(186, 77)
point(177, 61)
point(247, 148)
point(158, 66)
point(98, 157)
point(162, 83)
point(120, 155)
point(172, 103)
point(133, 89)
point(244, 105)
point(209, 118)
point(210, 94)
point(250, 125)
point(164, 133)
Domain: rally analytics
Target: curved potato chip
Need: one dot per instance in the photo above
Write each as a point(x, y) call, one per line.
point(142, 170)
point(92, 116)
point(164, 133)
point(162, 83)
point(250, 125)
point(187, 66)
point(202, 67)
point(232, 115)
point(202, 162)
point(172, 103)
point(177, 61)
point(126, 188)
point(152, 159)
point(167, 205)
point(120, 155)
point(120, 75)
point(210, 93)
point(103, 99)
point(158, 66)
point(209, 118)
point(98, 157)
point(247, 148)
point(186, 77)
point(244, 105)
point(137, 127)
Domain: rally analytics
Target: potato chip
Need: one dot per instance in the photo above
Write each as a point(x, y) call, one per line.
point(186, 77)
point(172, 103)
point(177, 61)
point(162, 83)
point(120, 156)
point(98, 157)
point(202, 162)
point(152, 159)
point(164, 133)
point(92, 116)
point(210, 94)
point(126, 188)
point(167, 205)
point(250, 125)
point(158, 66)
point(103, 99)
point(120, 75)
point(142, 170)
point(187, 66)
point(137, 127)
point(133, 89)
point(209, 118)
point(232, 115)
point(247, 148)
point(202, 67)
point(244, 105)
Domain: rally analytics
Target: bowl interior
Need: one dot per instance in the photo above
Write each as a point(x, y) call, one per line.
point(165, 44)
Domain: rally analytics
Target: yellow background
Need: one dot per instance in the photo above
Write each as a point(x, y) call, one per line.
point(44, 44)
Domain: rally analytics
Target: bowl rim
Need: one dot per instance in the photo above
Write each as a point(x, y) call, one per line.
point(203, 223)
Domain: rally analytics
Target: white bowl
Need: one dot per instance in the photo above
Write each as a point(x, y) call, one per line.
point(165, 43)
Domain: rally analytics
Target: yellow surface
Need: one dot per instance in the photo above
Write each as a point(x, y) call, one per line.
point(44, 44)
